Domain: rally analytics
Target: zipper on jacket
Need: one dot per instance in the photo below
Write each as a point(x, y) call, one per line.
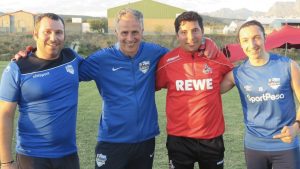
point(135, 94)
point(193, 66)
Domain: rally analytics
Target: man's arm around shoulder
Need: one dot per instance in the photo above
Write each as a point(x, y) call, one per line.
point(227, 82)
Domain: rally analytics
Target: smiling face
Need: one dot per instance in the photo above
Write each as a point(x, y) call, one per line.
point(189, 36)
point(129, 33)
point(252, 41)
point(49, 37)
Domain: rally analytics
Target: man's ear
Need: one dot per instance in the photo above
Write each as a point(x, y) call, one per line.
point(35, 35)
point(177, 36)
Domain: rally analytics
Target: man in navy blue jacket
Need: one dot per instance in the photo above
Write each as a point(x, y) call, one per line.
point(125, 76)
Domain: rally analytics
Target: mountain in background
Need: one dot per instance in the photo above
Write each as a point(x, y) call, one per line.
point(279, 10)
point(1, 13)
point(284, 9)
point(215, 20)
point(234, 14)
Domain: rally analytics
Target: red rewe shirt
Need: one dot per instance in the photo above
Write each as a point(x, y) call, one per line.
point(193, 106)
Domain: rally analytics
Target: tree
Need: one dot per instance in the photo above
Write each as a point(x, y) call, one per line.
point(99, 25)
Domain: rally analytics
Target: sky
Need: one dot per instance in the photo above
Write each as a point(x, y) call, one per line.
point(99, 7)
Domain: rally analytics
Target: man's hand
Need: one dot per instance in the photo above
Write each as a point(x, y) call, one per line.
point(23, 53)
point(211, 49)
point(288, 133)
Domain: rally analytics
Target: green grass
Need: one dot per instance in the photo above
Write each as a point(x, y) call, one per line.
point(89, 109)
point(88, 117)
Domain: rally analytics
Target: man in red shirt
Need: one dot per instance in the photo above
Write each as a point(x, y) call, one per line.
point(195, 121)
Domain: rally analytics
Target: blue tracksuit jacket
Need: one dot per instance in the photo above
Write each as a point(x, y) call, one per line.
point(127, 87)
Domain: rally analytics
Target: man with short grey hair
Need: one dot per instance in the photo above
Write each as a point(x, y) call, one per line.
point(125, 77)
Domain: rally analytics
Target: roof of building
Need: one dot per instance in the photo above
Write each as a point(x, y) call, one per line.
point(150, 9)
point(11, 13)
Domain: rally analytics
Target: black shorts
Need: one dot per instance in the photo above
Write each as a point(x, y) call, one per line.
point(125, 155)
point(184, 152)
point(287, 159)
point(67, 162)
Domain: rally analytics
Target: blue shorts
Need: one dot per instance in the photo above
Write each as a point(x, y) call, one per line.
point(287, 159)
point(125, 155)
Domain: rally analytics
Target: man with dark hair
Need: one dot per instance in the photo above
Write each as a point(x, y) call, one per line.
point(267, 84)
point(195, 121)
point(45, 88)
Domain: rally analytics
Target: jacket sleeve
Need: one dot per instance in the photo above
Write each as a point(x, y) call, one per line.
point(89, 67)
point(161, 75)
point(227, 65)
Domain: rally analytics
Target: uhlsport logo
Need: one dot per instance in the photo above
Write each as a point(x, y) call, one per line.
point(39, 75)
point(70, 69)
point(144, 66)
point(173, 59)
point(100, 159)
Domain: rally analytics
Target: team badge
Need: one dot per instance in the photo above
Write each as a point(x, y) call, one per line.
point(70, 69)
point(274, 83)
point(207, 69)
point(171, 165)
point(100, 159)
point(144, 66)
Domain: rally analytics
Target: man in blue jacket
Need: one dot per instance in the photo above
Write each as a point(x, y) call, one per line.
point(125, 77)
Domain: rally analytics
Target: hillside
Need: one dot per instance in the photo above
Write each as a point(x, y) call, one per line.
point(207, 19)
point(215, 20)
point(234, 14)
point(78, 16)
point(284, 9)
point(278, 9)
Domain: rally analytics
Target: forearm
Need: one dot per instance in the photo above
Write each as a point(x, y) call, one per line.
point(227, 83)
point(226, 88)
point(6, 133)
point(295, 82)
point(7, 112)
point(296, 125)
